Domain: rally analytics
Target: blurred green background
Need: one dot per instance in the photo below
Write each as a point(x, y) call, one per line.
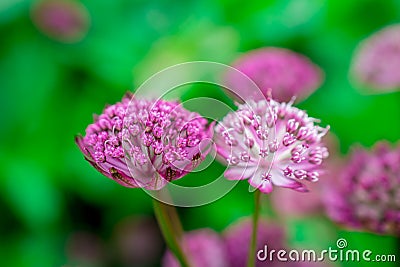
point(56, 210)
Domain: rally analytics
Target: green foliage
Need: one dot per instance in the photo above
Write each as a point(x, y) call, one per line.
point(49, 90)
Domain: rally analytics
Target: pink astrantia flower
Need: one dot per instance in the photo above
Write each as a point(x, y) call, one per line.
point(142, 143)
point(237, 241)
point(366, 194)
point(246, 142)
point(377, 60)
point(286, 72)
point(65, 21)
point(202, 248)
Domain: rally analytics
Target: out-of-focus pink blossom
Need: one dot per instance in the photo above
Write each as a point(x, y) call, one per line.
point(366, 194)
point(287, 73)
point(64, 20)
point(202, 248)
point(237, 239)
point(376, 62)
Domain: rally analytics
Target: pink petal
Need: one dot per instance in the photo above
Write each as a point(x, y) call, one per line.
point(264, 185)
point(239, 173)
point(279, 179)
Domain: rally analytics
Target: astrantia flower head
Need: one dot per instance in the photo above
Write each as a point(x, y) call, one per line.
point(286, 72)
point(202, 248)
point(286, 157)
point(237, 241)
point(377, 60)
point(143, 143)
point(367, 192)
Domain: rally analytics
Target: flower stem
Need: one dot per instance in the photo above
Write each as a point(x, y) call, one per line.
point(251, 260)
point(175, 221)
point(168, 231)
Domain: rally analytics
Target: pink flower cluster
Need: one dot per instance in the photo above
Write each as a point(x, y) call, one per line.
point(246, 141)
point(142, 143)
point(366, 195)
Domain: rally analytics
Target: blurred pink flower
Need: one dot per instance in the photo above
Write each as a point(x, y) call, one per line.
point(366, 194)
point(142, 143)
point(202, 248)
point(237, 240)
point(287, 73)
point(245, 141)
point(205, 247)
point(377, 60)
point(64, 20)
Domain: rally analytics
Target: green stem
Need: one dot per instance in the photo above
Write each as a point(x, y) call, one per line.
point(175, 221)
point(251, 260)
point(168, 231)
